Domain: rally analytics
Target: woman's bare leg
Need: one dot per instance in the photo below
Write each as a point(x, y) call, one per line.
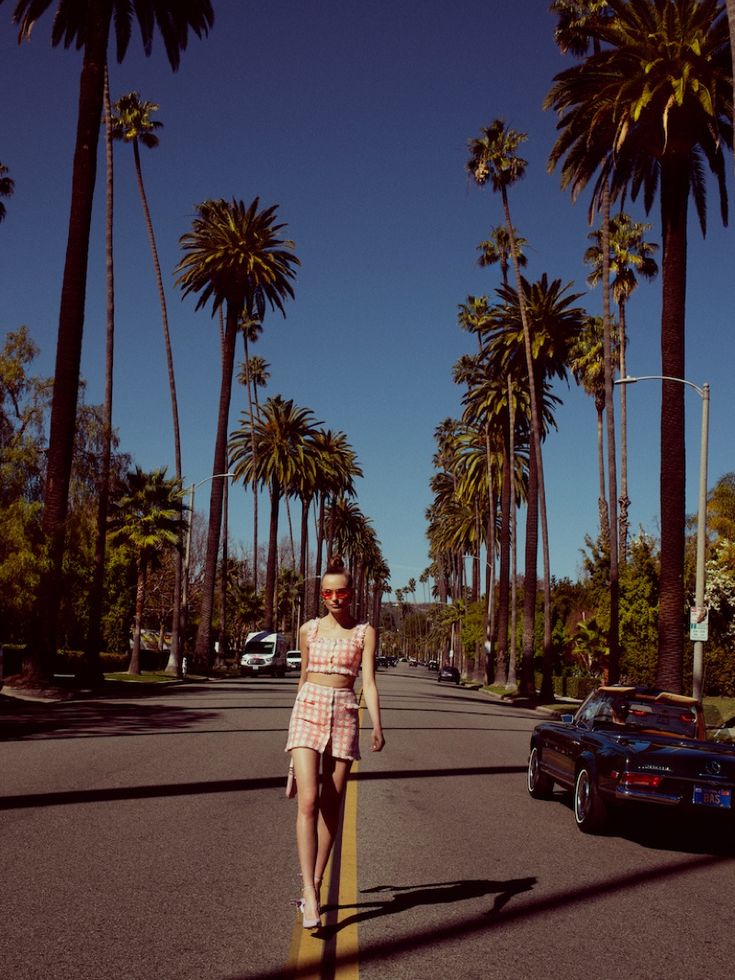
point(334, 781)
point(306, 768)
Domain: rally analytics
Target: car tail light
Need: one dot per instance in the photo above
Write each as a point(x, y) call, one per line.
point(647, 779)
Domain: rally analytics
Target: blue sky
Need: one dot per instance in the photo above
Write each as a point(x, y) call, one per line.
point(354, 118)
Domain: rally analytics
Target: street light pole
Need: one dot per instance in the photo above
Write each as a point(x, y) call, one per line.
point(703, 392)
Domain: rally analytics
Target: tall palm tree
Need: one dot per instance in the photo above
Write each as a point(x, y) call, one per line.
point(487, 405)
point(97, 589)
point(146, 516)
point(253, 374)
point(87, 26)
point(643, 122)
point(576, 22)
point(496, 249)
point(587, 364)
point(7, 186)
point(553, 323)
point(132, 124)
point(235, 258)
point(577, 30)
point(251, 328)
point(280, 430)
point(494, 156)
point(338, 467)
point(730, 4)
point(629, 253)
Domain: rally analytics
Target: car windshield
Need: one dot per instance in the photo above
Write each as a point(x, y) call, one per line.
point(258, 646)
point(659, 716)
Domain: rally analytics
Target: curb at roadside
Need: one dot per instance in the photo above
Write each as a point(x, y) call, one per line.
point(524, 702)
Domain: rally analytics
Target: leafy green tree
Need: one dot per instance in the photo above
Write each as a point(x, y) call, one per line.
point(7, 186)
point(23, 402)
point(639, 598)
point(639, 121)
point(87, 26)
point(721, 508)
point(235, 258)
point(146, 517)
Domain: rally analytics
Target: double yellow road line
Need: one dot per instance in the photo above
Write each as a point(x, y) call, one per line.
point(331, 953)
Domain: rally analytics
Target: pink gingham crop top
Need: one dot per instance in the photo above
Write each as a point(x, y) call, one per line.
point(336, 656)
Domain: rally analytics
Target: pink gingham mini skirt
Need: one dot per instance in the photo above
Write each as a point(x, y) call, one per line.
point(325, 719)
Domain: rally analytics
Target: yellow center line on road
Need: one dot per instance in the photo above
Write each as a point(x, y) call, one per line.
point(332, 953)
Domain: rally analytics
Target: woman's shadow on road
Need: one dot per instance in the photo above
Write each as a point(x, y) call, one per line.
point(405, 897)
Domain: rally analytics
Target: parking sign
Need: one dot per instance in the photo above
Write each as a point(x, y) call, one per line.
point(698, 623)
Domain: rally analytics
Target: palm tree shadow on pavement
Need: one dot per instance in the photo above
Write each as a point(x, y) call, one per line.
point(405, 897)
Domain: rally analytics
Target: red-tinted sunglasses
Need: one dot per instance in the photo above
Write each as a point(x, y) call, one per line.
point(337, 593)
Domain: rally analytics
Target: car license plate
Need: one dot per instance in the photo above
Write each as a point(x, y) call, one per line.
point(713, 797)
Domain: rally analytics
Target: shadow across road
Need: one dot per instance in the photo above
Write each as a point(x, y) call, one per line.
point(526, 909)
point(406, 897)
point(34, 719)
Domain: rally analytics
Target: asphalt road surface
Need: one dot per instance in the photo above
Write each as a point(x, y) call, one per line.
point(147, 837)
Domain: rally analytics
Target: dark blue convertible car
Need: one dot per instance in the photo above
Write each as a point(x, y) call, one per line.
point(632, 745)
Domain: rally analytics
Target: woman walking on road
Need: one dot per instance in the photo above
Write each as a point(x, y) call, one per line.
point(325, 725)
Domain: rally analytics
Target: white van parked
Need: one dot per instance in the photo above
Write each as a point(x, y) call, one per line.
point(264, 653)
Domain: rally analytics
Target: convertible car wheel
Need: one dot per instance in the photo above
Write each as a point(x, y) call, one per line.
point(539, 785)
point(590, 811)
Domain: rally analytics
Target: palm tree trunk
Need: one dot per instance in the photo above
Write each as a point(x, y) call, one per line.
point(318, 556)
point(174, 664)
point(291, 538)
point(674, 200)
point(96, 597)
point(547, 683)
point(484, 668)
point(270, 568)
point(223, 642)
point(602, 493)
point(304, 550)
point(613, 638)
point(203, 646)
point(501, 651)
point(252, 450)
point(527, 686)
point(511, 682)
point(134, 666)
point(38, 661)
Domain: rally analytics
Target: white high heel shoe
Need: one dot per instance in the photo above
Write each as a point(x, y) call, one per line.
point(309, 923)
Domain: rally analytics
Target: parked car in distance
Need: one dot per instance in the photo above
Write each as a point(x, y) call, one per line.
point(447, 673)
point(433, 665)
point(264, 653)
point(293, 660)
point(629, 745)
